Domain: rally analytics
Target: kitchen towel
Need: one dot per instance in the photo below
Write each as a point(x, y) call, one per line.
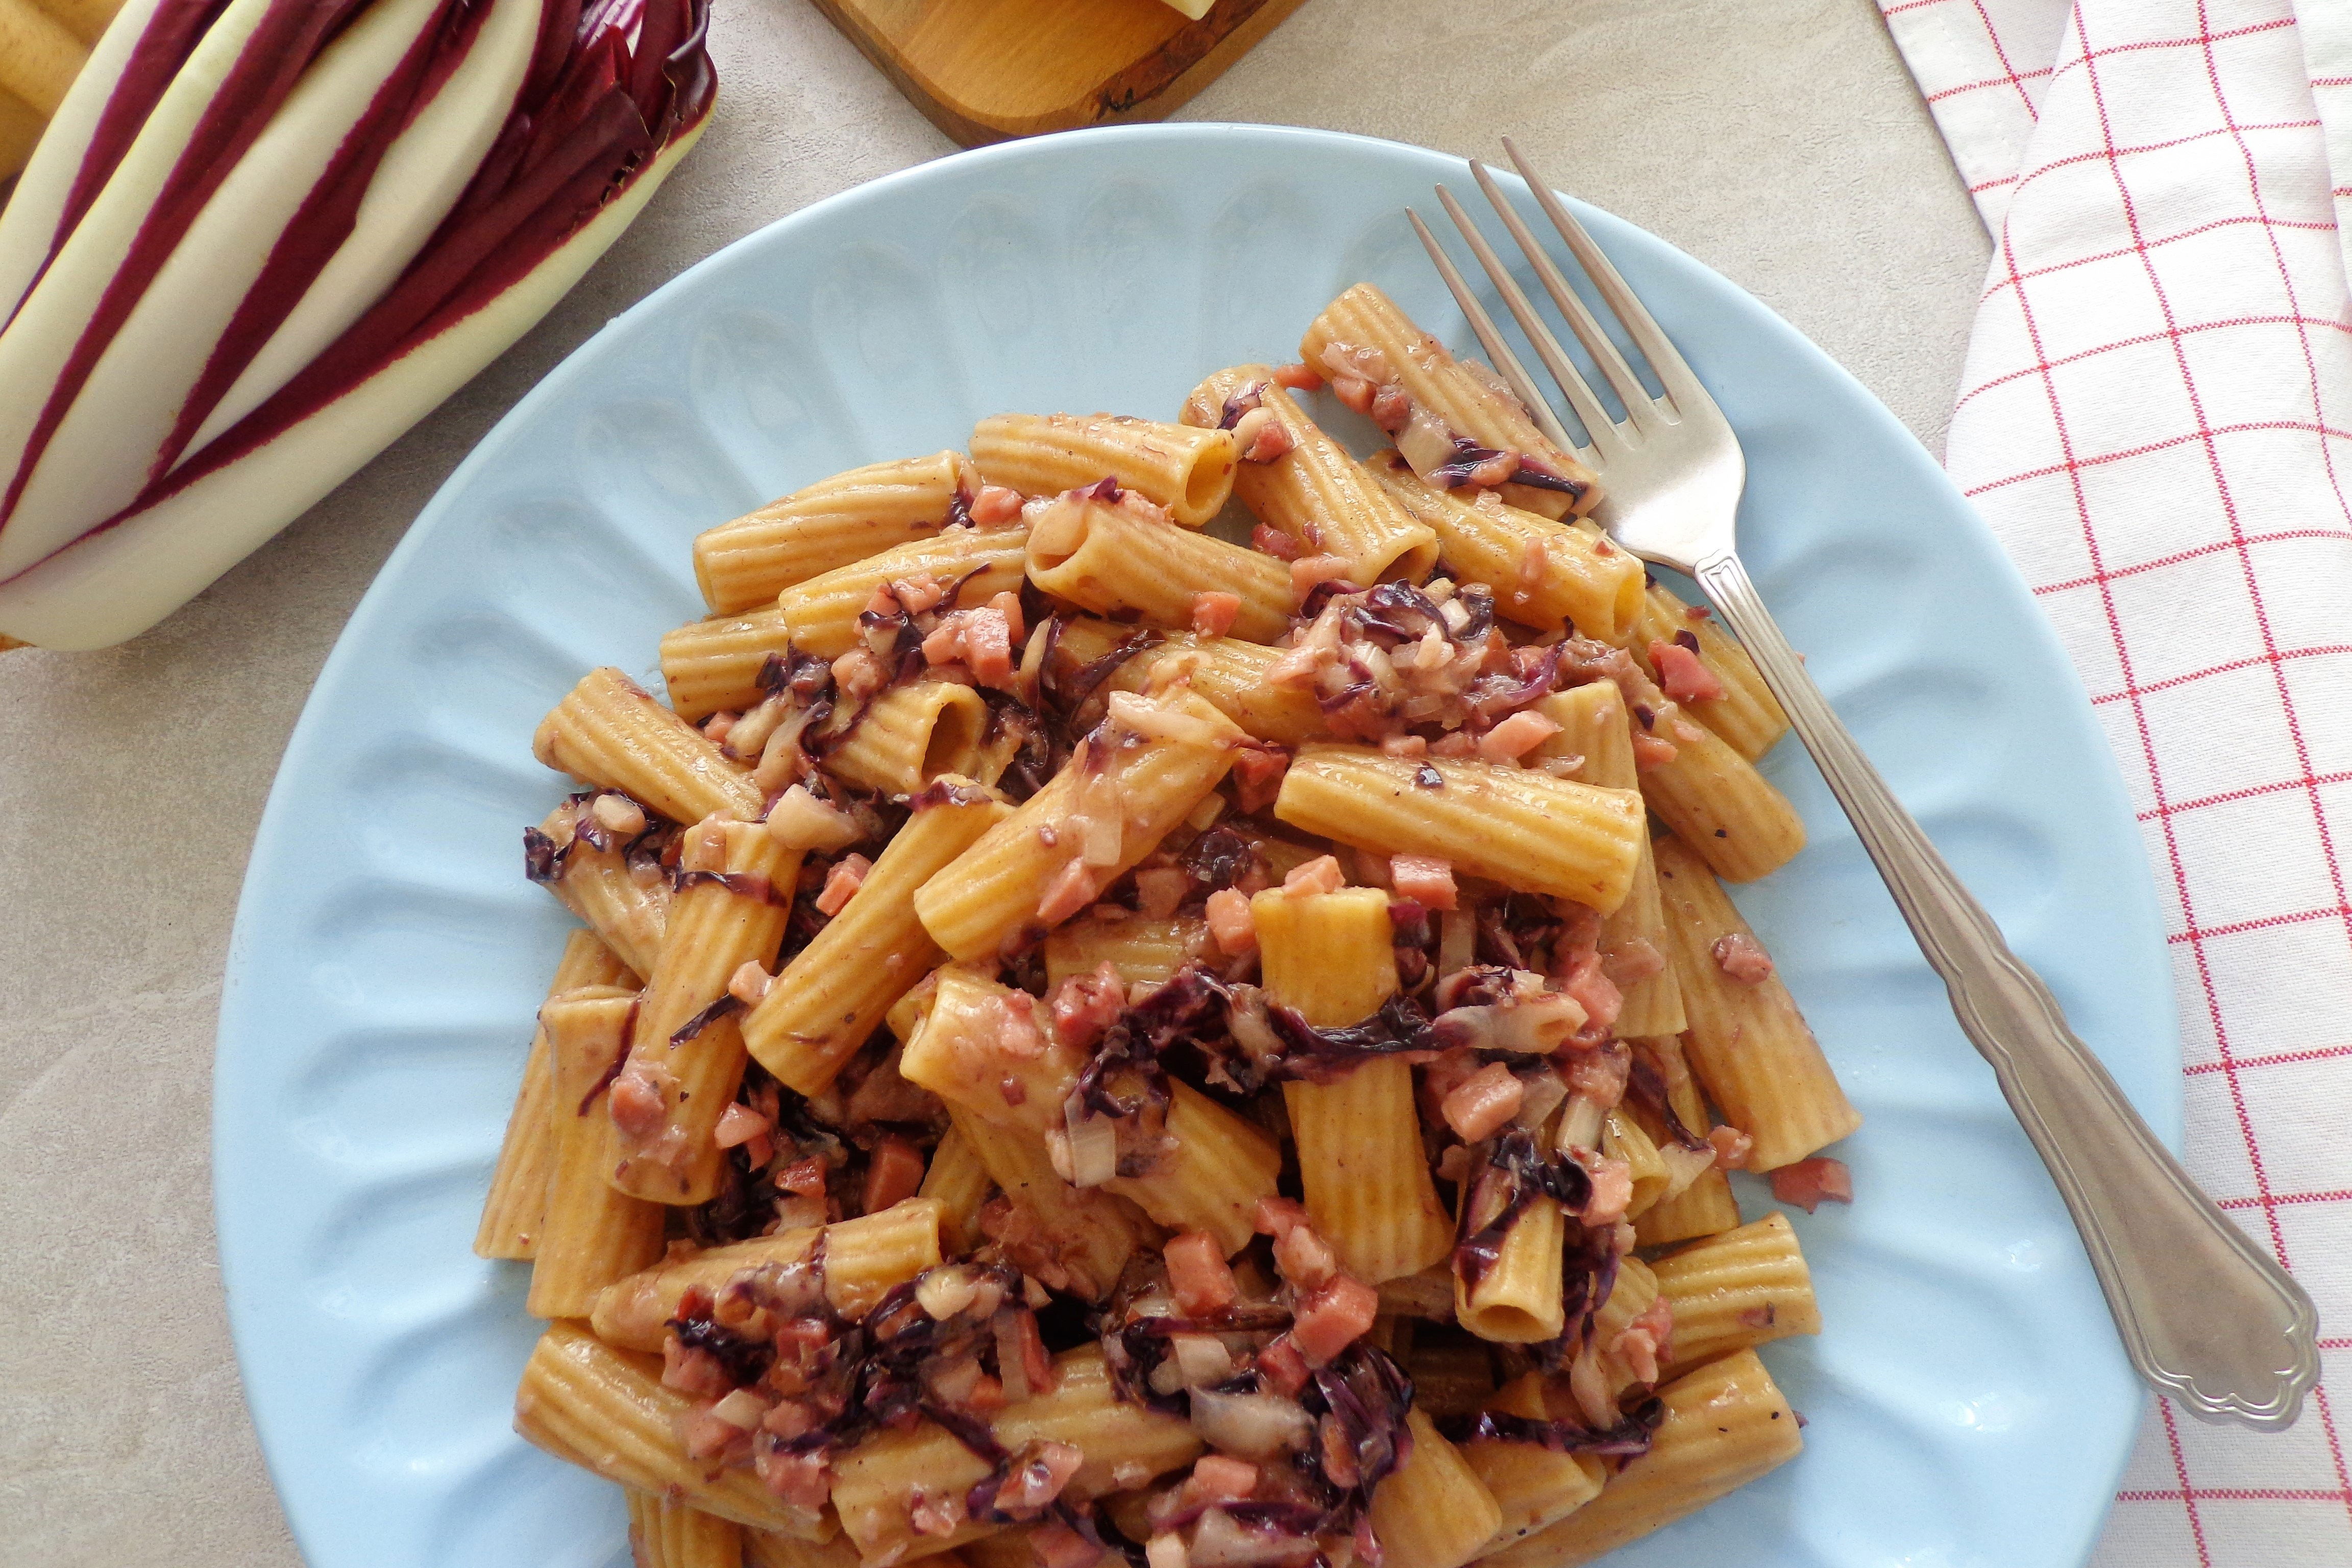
point(2156, 418)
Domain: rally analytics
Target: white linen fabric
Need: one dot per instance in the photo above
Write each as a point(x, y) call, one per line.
point(2154, 420)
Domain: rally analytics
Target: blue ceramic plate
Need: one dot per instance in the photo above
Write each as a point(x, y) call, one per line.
point(1967, 1402)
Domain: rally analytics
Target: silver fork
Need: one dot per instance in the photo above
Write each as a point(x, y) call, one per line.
point(2206, 1316)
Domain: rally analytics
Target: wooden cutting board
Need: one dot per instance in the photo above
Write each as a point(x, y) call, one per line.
point(989, 71)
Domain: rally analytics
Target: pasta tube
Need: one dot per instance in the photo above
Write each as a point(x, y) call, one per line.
point(1726, 1425)
point(911, 735)
point(686, 1048)
point(628, 912)
point(1516, 1300)
point(767, 1549)
point(1705, 1207)
point(828, 525)
point(712, 664)
point(1142, 952)
point(1544, 574)
point(609, 733)
point(1595, 727)
point(1360, 1164)
point(517, 1201)
point(1113, 558)
point(1738, 1290)
point(873, 1482)
point(825, 1004)
point(1133, 780)
point(978, 564)
point(864, 1258)
point(1748, 1044)
point(1214, 1168)
point(1362, 332)
point(1623, 1138)
point(1747, 716)
point(665, 1534)
point(1186, 472)
point(1314, 490)
point(1228, 672)
point(606, 1411)
point(960, 1185)
point(1531, 1485)
point(1073, 1239)
point(1717, 801)
point(1432, 1512)
point(1520, 826)
point(592, 1235)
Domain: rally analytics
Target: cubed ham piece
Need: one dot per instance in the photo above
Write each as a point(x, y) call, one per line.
point(1320, 875)
point(739, 1124)
point(895, 1173)
point(709, 1436)
point(1257, 775)
point(1683, 676)
point(1158, 890)
point(1612, 1189)
point(1282, 1368)
point(1213, 612)
point(1305, 1258)
point(1648, 1340)
point(1516, 736)
point(1197, 1275)
point(1742, 958)
point(840, 883)
point(1809, 1184)
point(1426, 880)
point(637, 1105)
point(1354, 392)
point(1016, 624)
point(1275, 542)
point(1071, 890)
point(691, 1370)
point(993, 505)
point(1732, 1147)
point(988, 647)
point(1484, 1103)
point(1231, 924)
point(1334, 1317)
point(1309, 571)
point(1495, 471)
point(803, 1480)
point(918, 593)
point(1652, 750)
point(1390, 408)
point(1261, 437)
point(1055, 1545)
point(1297, 377)
point(1218, 1476)
point(1084, 1005)
point(1279, 1216)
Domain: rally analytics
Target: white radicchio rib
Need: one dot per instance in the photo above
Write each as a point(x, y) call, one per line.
point(261, 239)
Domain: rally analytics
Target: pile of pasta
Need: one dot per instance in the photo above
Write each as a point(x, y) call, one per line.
point(1094, 1038)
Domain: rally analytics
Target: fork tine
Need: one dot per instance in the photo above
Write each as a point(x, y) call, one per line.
point(1490, 338)
point(1607, 439)
point(1674, 371)
point(1639, 406)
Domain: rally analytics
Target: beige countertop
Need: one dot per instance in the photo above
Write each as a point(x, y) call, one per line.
point(1779, 140)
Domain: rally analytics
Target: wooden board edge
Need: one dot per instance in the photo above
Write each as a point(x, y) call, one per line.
point(1150, 89)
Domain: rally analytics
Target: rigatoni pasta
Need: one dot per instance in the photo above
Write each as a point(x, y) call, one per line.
point(830, 525)
point(1099, 1042)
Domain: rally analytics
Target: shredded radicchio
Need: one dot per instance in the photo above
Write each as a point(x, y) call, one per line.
point(742, 884)
point(1646, 1088)
point(728, 1003)
point(1512, 1172)
point(1318, 1056)
point(1629, 1438)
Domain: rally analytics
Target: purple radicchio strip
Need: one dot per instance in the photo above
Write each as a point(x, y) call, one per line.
point(1629, 1438)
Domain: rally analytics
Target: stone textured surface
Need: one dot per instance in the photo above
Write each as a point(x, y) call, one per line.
point(1777, 140)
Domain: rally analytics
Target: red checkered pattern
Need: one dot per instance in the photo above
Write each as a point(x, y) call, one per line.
point(2157, 419)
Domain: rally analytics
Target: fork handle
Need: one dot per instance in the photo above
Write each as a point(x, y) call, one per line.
point(2206, 1316)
